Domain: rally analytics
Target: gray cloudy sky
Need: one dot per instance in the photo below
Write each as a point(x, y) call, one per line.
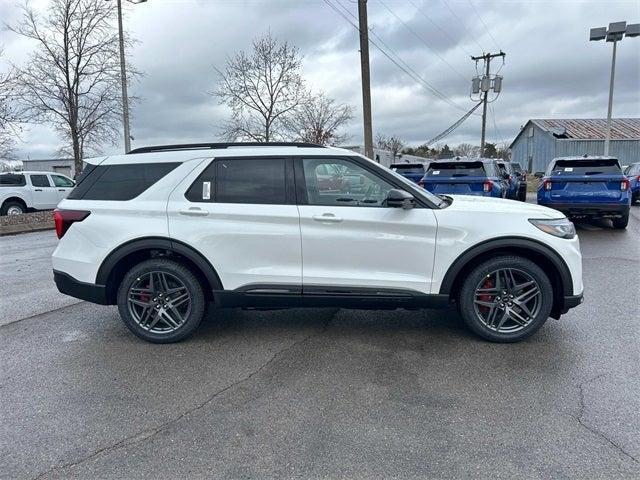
point(551, 68)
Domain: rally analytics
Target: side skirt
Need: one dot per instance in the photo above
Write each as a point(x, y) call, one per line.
point(282, 296)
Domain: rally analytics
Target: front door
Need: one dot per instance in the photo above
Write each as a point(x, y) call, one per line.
point(351, 239)
point(45, 196)
point(63, 186)
point(240, 213)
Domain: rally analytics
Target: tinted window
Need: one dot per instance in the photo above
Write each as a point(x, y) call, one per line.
point(408, 168)
point(12, 180)
point(39, 180)
point(457, 169)
point(59, 181)
point(586, 167)
point(250, 181)
point(352, 187)
point(119, 182)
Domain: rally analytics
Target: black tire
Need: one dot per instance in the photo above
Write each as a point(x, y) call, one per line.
point(523, 268)
point(622, 222)
point(177, 274)
point(12, 204)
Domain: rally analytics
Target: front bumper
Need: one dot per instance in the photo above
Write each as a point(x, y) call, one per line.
point(84, 291)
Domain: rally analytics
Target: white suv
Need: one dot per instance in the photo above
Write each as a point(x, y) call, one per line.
point(21, 192)
point(164, 231)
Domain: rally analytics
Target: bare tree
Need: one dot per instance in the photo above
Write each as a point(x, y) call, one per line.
point(71, 80)
point(467, 150)
point(261, 89)
point(319, 120)
point(9, 115)
point(393, 143)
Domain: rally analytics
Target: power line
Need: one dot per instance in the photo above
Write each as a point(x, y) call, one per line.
point(401, 64)
point(461, 23)
point(484, 24)
point(444, 32)
point(440, 136)
point(419, 37)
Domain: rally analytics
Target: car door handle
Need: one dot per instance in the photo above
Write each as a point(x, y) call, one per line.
point(38, 190)
point(61, 190)
point(194, 212)
point(327, 218)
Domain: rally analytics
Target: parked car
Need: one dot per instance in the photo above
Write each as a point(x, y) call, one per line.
point(164, 231)
point(465, 177)
point(587, 187)
point(522, 174)
point(632, 173)
point(412, 171)
point(22, 192)
point(514, 184)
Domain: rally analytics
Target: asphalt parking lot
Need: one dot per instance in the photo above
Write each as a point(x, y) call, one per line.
point(320, 393)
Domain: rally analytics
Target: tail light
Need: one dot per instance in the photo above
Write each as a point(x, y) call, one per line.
point(487, 186)
point(547, 184)
point(624, 185)
point(64, 218)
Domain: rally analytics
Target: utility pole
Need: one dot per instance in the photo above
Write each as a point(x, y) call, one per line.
point(485, 85)
point(366, 80)
point(123, 78)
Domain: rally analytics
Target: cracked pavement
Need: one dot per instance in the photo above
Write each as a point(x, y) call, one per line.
point(320, 393)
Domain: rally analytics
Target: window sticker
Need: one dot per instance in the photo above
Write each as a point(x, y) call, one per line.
point(435, 172)
point(568, 169)
point(206, 190)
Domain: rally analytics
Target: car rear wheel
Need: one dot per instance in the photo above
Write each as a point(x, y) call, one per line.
point(506, 299)
point(622, 222)
point(161, 301)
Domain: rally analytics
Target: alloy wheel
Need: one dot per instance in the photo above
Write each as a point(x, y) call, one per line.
point(14, 210)
point(507, 300)
point(159, 302)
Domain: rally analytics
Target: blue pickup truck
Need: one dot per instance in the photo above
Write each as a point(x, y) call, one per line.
point(410, 171)
point(465, 177)
point(587, 187)
point(633, 175)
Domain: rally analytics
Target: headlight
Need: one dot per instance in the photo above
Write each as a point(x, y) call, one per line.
point(560, 227)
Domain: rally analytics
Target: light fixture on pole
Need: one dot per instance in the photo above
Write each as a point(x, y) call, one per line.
point(615, 33)
point(123, 78)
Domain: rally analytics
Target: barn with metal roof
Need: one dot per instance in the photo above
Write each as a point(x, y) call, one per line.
point(542, 140)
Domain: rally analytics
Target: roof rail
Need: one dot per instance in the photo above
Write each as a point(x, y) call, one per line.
point(216, 146)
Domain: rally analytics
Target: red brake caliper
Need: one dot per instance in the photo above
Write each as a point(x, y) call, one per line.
point(486, 297)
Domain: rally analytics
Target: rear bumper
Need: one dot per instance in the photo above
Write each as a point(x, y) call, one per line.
point(588, 209)
point(84, 291)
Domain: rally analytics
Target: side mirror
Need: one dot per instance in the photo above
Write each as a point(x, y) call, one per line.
point(399, 199)
point(538, 174)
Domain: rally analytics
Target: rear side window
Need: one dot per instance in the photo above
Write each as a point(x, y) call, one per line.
point(119, 182)
point(586, 167)
point(457, 169)
point(39, 180)
point(12, 180)
point(60, 181)
point(257, 181)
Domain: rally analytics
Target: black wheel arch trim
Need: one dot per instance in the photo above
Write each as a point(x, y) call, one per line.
point(158, 243)
point(507, 242)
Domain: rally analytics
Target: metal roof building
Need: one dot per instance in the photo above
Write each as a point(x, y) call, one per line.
point(542, 140)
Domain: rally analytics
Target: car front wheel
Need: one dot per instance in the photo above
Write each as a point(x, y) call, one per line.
point(161, 301)
point(506, 299)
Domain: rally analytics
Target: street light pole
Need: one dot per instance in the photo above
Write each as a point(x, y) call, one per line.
point(607, 139)
point(615, 33)
point(123, 78)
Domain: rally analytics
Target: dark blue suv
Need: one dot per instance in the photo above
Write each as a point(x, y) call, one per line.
point(587, 187)
point(462, 176)
point(411, 171)
point(633, 175)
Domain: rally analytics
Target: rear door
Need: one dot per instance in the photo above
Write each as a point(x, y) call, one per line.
point(240, 213)
point(63, 185)
point(350, 240)
point(44, 193)
point(586, 181)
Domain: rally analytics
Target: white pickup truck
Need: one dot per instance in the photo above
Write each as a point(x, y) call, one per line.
point(21, 192)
